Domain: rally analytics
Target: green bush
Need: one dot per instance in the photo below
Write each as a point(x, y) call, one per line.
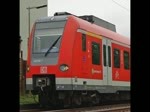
point(27, 99)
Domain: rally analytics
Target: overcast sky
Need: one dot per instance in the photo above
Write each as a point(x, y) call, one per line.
point(116, 12)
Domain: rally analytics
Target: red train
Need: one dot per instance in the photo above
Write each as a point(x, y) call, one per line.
point(71, 60)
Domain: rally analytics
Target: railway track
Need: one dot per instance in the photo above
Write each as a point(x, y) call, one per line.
point(106, 108)
point(29, 106)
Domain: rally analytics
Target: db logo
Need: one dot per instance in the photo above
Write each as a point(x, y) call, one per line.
point(43, 69)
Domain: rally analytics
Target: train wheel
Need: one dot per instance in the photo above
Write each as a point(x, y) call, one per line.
point(95, 99)
point(77, 100)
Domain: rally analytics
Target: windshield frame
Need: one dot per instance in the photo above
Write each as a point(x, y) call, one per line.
point(50, 30)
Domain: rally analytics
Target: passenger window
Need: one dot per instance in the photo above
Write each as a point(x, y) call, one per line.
point(95, 53)
point(126, 60)
point(116, 58)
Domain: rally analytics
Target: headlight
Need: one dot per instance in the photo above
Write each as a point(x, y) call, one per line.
point(28, 68)
point(63, 67)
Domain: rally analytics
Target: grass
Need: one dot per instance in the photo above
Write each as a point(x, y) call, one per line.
point(27, 99)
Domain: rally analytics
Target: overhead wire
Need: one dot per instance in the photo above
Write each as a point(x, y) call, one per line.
point(120, 5)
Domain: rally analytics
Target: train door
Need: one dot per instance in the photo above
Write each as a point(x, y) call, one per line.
point(96, 59)
point(107, 69)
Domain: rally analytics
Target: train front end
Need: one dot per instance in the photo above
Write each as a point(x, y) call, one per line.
point(43, 56)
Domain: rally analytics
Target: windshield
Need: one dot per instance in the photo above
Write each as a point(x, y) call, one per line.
point(43, 43)
point(46, 33)
point(46, 42)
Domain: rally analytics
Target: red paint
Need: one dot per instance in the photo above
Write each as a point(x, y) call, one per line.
point(83, 69)
point(123, 74)
point(71, 52)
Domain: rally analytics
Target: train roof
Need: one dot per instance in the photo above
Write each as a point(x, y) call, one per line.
point(85, 25)
point(88, 26)
point(52, 18)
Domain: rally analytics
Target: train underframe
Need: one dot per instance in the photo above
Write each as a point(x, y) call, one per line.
point(45, 87)
point(48, 96)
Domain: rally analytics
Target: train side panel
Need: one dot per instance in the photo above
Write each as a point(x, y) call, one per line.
point(120, 64)
point(87, 72)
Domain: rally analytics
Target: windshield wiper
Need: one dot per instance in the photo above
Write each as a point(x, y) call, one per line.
point(52, 46)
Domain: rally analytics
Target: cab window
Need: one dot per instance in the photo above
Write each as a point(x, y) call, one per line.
point(83, 42)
